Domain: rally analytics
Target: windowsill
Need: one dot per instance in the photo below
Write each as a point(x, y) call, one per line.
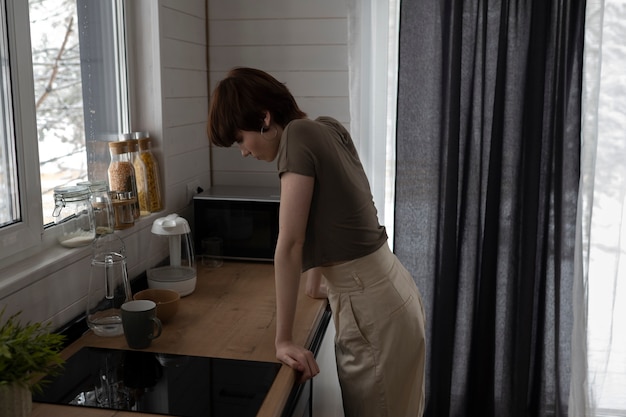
point(53, 257)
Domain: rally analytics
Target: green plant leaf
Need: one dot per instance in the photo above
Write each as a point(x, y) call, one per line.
point(28, 352)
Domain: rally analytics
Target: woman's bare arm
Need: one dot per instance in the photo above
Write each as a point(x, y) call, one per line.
point(295, 200)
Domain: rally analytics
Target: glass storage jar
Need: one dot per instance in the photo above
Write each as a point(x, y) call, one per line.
point(152, 171)
point(140, 174)
point(132, 154)
point(123, 209)
point(121, 173)
point(102, 206)
point(73, 213)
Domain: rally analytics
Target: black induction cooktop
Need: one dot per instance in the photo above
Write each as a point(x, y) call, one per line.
point(180, 385)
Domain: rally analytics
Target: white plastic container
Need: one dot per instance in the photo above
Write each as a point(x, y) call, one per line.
point(180, 273)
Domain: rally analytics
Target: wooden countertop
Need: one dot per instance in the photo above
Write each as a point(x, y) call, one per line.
point(231, 314)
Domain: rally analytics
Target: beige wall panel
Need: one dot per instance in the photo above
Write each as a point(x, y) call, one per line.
point(185, 166)
point(276, 9)
point(184, 111)
point(278, 32)
point(185, 55)
point(305, 83)
point(260, 179)
point(187, 138)
point(280, 58)
point(184, 83)
point(325, 106)
point(192, 7)
point(183, 26)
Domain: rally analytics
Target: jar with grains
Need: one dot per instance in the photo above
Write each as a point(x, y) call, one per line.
point(152, 172)
point(140, 175)
point(121, 172)
point(74, 215)
point(131, 153)
point(101, 205)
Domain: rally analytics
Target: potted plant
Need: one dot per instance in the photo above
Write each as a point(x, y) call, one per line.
point(28, 352)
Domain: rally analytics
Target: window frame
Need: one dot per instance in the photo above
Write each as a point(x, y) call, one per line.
point(30, 236)
point(27, 233)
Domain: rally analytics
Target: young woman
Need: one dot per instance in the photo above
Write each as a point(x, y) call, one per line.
point(329, 228)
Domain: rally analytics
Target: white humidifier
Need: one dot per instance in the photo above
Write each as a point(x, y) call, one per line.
point(180, 274)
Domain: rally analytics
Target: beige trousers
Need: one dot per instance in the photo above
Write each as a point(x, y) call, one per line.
point(380, 344)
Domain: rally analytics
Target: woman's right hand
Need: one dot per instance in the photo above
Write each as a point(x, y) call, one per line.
point(298, 358)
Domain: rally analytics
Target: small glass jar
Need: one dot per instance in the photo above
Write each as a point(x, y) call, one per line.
point(73, 213)
point(102, 206)
point(123, 208)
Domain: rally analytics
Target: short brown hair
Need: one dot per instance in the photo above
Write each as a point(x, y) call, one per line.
point(240, 100)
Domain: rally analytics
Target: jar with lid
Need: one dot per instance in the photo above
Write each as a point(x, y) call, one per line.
point(140, 174)
point(73, 213)
point(121, 173)
point(101, 205)
point(123, 209)
point(152, 171)
point(131, 155)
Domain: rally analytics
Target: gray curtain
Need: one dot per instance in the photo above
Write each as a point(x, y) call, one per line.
point(488, 144)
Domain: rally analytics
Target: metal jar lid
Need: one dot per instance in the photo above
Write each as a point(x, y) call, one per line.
point(67, 194)
point(72, 192)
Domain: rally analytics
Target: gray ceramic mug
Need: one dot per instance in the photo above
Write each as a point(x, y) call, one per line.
point(140, 322)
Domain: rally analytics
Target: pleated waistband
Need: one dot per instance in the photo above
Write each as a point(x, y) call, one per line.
point(360, 273)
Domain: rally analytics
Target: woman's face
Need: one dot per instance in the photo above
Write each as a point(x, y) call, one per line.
point(262, 146)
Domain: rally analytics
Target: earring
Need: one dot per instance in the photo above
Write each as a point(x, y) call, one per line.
point(263, 129)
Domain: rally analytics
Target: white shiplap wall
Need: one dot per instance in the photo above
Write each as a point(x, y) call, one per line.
point(174, 69)
point(302, 43)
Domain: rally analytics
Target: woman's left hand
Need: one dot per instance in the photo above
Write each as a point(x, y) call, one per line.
point(299, 359)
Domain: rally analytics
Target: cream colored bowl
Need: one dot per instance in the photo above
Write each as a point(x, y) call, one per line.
point(167, 301)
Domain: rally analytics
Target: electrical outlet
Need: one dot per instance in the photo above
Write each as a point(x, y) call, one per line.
point(192, 189)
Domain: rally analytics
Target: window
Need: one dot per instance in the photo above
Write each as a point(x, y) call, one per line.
point(76, 62)
point(9, 191)
point(604, 122)
point(64, 95)
point(373, 41)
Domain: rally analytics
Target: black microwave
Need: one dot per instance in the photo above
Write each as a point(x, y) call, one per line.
point(245, 219)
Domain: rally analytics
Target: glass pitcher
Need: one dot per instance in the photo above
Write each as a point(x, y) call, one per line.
point(109, 286)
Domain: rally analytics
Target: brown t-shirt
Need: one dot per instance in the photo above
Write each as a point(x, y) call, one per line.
point(343, 222)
